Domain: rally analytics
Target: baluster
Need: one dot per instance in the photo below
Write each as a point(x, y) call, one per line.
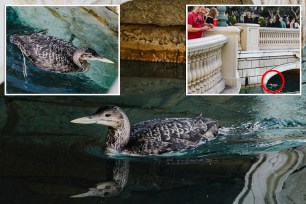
point(216, 66)
point(189, 77)
point(290, 37)
point(197, 71)
point(211, 69)
point(219, 78)
point(206, 67)
point(193, 74)
point(212, 77)
point(208, 70)
point(261, 38)
point(264, 34)
point(205, 70)
point(264, 38)
point(202, 56)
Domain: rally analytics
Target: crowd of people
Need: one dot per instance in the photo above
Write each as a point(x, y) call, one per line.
point(275, 21)
point(201, 19)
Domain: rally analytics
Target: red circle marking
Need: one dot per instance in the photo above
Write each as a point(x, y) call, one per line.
point(268, 90)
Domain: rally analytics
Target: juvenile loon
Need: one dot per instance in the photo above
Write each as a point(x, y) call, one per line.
point(157, 136)
point(54, 54)
point(272, 85)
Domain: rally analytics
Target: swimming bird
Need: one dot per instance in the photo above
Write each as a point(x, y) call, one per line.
point(157, 136)
point(272, 85)
point(54, 54)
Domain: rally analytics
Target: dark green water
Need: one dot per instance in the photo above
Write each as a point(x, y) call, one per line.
point(68, 23)
point(292, 85)
point(258, 157)
point(259, 154)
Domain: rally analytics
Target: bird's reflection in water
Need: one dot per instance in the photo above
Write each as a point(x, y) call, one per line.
point(113, 187)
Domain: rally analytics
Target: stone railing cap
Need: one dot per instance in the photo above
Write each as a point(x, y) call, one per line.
point(280, 29)
point(247, 25)
point(206, 42)
point(229, 29)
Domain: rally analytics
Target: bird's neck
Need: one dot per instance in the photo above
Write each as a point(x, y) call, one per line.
point(118, 137)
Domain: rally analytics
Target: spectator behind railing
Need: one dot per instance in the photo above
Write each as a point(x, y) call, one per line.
point(287, 23)
point(283, 24)
point(294, 24)
point(270, 23)
point(196, 23)
point(273, 21)
point(248, 18)
point(277, 23)
point(213, 13)
point(205, 13)
point(228, 22)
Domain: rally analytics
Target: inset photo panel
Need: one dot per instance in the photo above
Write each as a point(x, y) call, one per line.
point(239, 49)
point(62, 50)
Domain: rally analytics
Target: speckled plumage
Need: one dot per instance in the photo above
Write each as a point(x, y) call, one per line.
point(156, 136)
point(170, 134)
point(54, 54)
point(47, 52)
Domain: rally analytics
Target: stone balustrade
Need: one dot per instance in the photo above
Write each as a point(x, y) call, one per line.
point(205, 64)
point(279, 38)
point(254, 37)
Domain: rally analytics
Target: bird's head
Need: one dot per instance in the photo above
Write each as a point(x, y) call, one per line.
point(17, 39)
point(14, 39)
point(111, 116)
point(82, 55)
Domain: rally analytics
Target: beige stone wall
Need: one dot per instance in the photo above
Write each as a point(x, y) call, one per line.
point(153, 43)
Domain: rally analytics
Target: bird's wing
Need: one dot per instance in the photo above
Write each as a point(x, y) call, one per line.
point(165, 135)
point(45, 50)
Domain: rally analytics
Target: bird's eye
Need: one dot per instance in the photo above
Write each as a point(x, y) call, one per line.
point(107, 115)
